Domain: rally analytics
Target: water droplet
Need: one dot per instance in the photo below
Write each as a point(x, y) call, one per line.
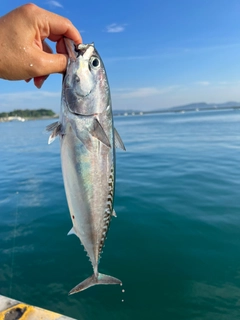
point(121, 284)
point(122, 300)
point(123, 290)
point(31, 65)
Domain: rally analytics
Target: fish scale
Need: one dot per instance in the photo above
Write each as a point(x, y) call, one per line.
point(88, 139)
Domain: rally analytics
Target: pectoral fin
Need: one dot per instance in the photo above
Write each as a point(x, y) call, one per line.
point(118, 141)
point(96, 130)
point(56, 130)
point(85, 137)
point(92, 130)
point(52, 126)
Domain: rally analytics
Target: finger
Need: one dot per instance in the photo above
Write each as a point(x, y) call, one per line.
point(46, 47)
point(60, 46)
point(66, 30)
point(60, 26)
point(38, 81)
point(46, 63)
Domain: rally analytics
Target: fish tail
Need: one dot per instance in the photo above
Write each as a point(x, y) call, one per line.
point(94, 280)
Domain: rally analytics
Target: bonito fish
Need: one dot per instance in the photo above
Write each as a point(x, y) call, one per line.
point(88, 141)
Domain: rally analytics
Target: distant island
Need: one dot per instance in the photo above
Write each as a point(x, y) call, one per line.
point(206, 106)
point(198, 106)
point(27, 114)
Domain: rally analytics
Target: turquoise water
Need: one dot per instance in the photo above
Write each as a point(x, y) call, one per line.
point(175, 243)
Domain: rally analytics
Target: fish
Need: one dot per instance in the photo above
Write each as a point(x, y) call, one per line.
point(88, 140)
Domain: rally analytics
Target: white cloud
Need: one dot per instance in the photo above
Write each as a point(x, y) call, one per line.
point(55, 4)
point(128, 58)
point(203, 83)
point(140, 98)
point(30, 100)
point(222, 82)
point(150, 98)
point(114, 28)
point(143, 92)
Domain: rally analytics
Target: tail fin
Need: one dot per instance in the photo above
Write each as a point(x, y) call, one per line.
point(94, 280)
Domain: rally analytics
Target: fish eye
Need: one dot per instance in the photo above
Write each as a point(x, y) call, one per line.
point(95, 62)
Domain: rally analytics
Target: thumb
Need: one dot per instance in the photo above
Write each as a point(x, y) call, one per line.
point(46, 63)
point(54, 63)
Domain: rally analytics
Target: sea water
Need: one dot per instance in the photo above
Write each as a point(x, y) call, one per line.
point(175, 243)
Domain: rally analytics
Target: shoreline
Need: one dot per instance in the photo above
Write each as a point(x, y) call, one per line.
point(21, 119)
point(123, 113)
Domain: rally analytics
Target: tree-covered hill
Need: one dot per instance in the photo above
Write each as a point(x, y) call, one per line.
point(28, 113)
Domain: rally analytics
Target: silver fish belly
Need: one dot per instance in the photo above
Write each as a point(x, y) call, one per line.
point(88, 141)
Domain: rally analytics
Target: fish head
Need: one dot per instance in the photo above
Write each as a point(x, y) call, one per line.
point(85, 85)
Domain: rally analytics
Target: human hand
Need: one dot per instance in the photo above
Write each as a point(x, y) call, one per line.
point(23, 52)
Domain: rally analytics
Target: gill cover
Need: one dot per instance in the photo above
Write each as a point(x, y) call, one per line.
point(85, 80)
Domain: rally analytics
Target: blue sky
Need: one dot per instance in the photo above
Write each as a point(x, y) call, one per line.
point(157, 53)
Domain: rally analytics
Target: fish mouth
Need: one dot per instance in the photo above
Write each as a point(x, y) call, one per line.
point(77, 94)
point(83, 95)
point(74, 51)
point(82, 48)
